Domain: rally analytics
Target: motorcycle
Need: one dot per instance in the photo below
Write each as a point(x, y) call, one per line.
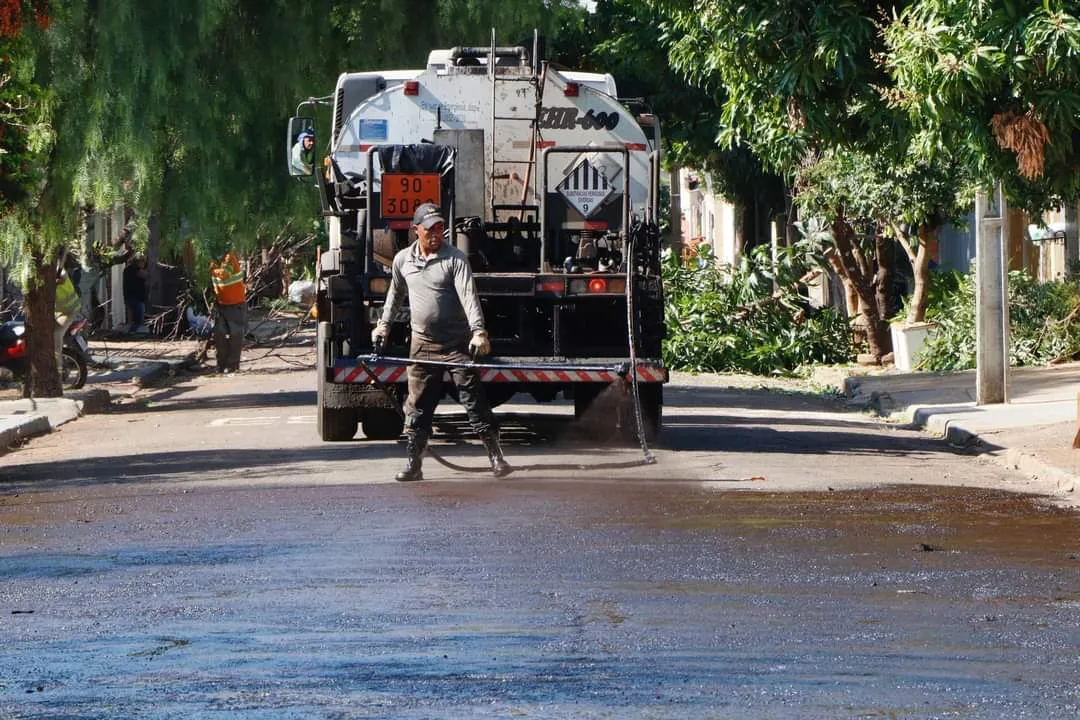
point(74, 358)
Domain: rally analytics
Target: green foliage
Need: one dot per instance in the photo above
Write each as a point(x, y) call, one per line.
point(723, 319)
point(896, 197)
point(20, 130)
point(958, 63)
point(631, 40)
point(796, 77)
point(1042, 325)
point(388, 35)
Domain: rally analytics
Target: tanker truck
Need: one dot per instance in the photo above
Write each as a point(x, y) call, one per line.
point(550, 186)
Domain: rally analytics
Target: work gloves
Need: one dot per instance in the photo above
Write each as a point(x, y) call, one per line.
point(380, 334)
point(479, 345)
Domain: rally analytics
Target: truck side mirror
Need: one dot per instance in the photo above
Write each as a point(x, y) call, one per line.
point(300, 146)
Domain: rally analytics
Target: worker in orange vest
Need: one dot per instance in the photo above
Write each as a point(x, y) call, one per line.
point(231, 323)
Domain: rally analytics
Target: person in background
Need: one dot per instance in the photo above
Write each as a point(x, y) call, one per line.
point(135, 276)
point(302, 158)
point(66, 311)
point(231, 322)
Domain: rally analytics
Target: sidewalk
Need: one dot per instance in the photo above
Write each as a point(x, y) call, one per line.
point(1032, 433)
point(128, 363)
point(126, 366)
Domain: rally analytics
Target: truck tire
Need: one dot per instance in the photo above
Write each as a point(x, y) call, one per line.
point(616, 417)
point(333, 424)
point(382, 423)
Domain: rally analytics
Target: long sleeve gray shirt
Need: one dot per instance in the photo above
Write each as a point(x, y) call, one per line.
point(443, 303)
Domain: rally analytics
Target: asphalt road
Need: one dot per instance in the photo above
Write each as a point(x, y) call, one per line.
point(200, 554)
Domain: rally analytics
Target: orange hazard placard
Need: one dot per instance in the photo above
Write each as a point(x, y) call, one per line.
point(402, 193)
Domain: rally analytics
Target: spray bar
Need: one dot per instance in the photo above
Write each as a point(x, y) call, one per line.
point(622, 369)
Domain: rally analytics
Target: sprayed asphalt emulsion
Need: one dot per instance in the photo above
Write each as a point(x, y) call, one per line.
point(575, 600)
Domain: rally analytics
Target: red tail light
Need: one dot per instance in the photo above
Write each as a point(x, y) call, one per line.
point(572, 89)
point(14, 351)
point(412, 87)
point(598, 285)
point(548, 285)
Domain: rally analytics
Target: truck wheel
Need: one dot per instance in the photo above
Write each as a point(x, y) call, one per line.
point(382, 423)
point(584, 394)
point(333, 424)
point(336, 424)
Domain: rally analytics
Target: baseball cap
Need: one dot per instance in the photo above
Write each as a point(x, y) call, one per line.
point(427, 215)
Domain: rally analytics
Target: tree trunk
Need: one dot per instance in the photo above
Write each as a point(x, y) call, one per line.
point(867, 281)
point(44, 377)
point(920, 268)
point(153, 254)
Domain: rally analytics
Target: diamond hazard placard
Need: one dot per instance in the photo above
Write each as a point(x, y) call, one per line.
point(586, 187)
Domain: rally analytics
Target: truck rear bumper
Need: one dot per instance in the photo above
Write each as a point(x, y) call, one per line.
point(518, 370)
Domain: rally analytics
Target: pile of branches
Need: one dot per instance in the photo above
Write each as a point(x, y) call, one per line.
point(266, 276)
point(267, 269)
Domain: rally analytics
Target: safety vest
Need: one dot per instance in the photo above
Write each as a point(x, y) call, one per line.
point(228, 280)
point(67, 300)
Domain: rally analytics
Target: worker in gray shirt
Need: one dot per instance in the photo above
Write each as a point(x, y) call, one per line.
point(447, 325)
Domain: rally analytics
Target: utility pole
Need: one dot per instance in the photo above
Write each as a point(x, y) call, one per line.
point(991, 298)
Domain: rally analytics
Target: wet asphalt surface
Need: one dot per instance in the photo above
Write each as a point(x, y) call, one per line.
point(598, 595)
point(476, 600)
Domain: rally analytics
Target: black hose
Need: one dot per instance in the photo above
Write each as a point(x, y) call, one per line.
point(396, 404)
point(631, 333)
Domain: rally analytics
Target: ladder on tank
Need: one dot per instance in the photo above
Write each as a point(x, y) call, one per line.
point(536, 78)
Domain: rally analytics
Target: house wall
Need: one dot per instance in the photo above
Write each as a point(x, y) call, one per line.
point(707, 217)
point(1045, 260)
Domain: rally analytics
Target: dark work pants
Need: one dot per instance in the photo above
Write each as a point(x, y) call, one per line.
point(229, 330)
point(426, 388)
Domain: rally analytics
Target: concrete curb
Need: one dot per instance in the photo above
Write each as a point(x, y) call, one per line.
point(17, 433)
point(1029, 465)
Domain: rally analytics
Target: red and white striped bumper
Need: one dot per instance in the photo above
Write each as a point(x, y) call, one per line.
point(346, 371)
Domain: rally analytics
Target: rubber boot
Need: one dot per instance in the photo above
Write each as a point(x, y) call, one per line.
point(499, 466)
point(417, 442)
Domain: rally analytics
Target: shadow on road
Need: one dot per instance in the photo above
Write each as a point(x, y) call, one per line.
point(700, 420)
point(241, 464)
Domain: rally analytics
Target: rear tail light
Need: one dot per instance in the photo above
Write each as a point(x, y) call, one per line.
point(548, 285)
point(598, 286)
point(14, 351)
point(412, 87)
point(572, 89)
point(378, 286)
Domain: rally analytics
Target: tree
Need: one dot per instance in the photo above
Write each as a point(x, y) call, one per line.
point(869, 205)
point(995, 82)
point(174, 109)
point(630, 40)
point(187, 106)
point(389, 35)
point(36, 218)
point(800, 80)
